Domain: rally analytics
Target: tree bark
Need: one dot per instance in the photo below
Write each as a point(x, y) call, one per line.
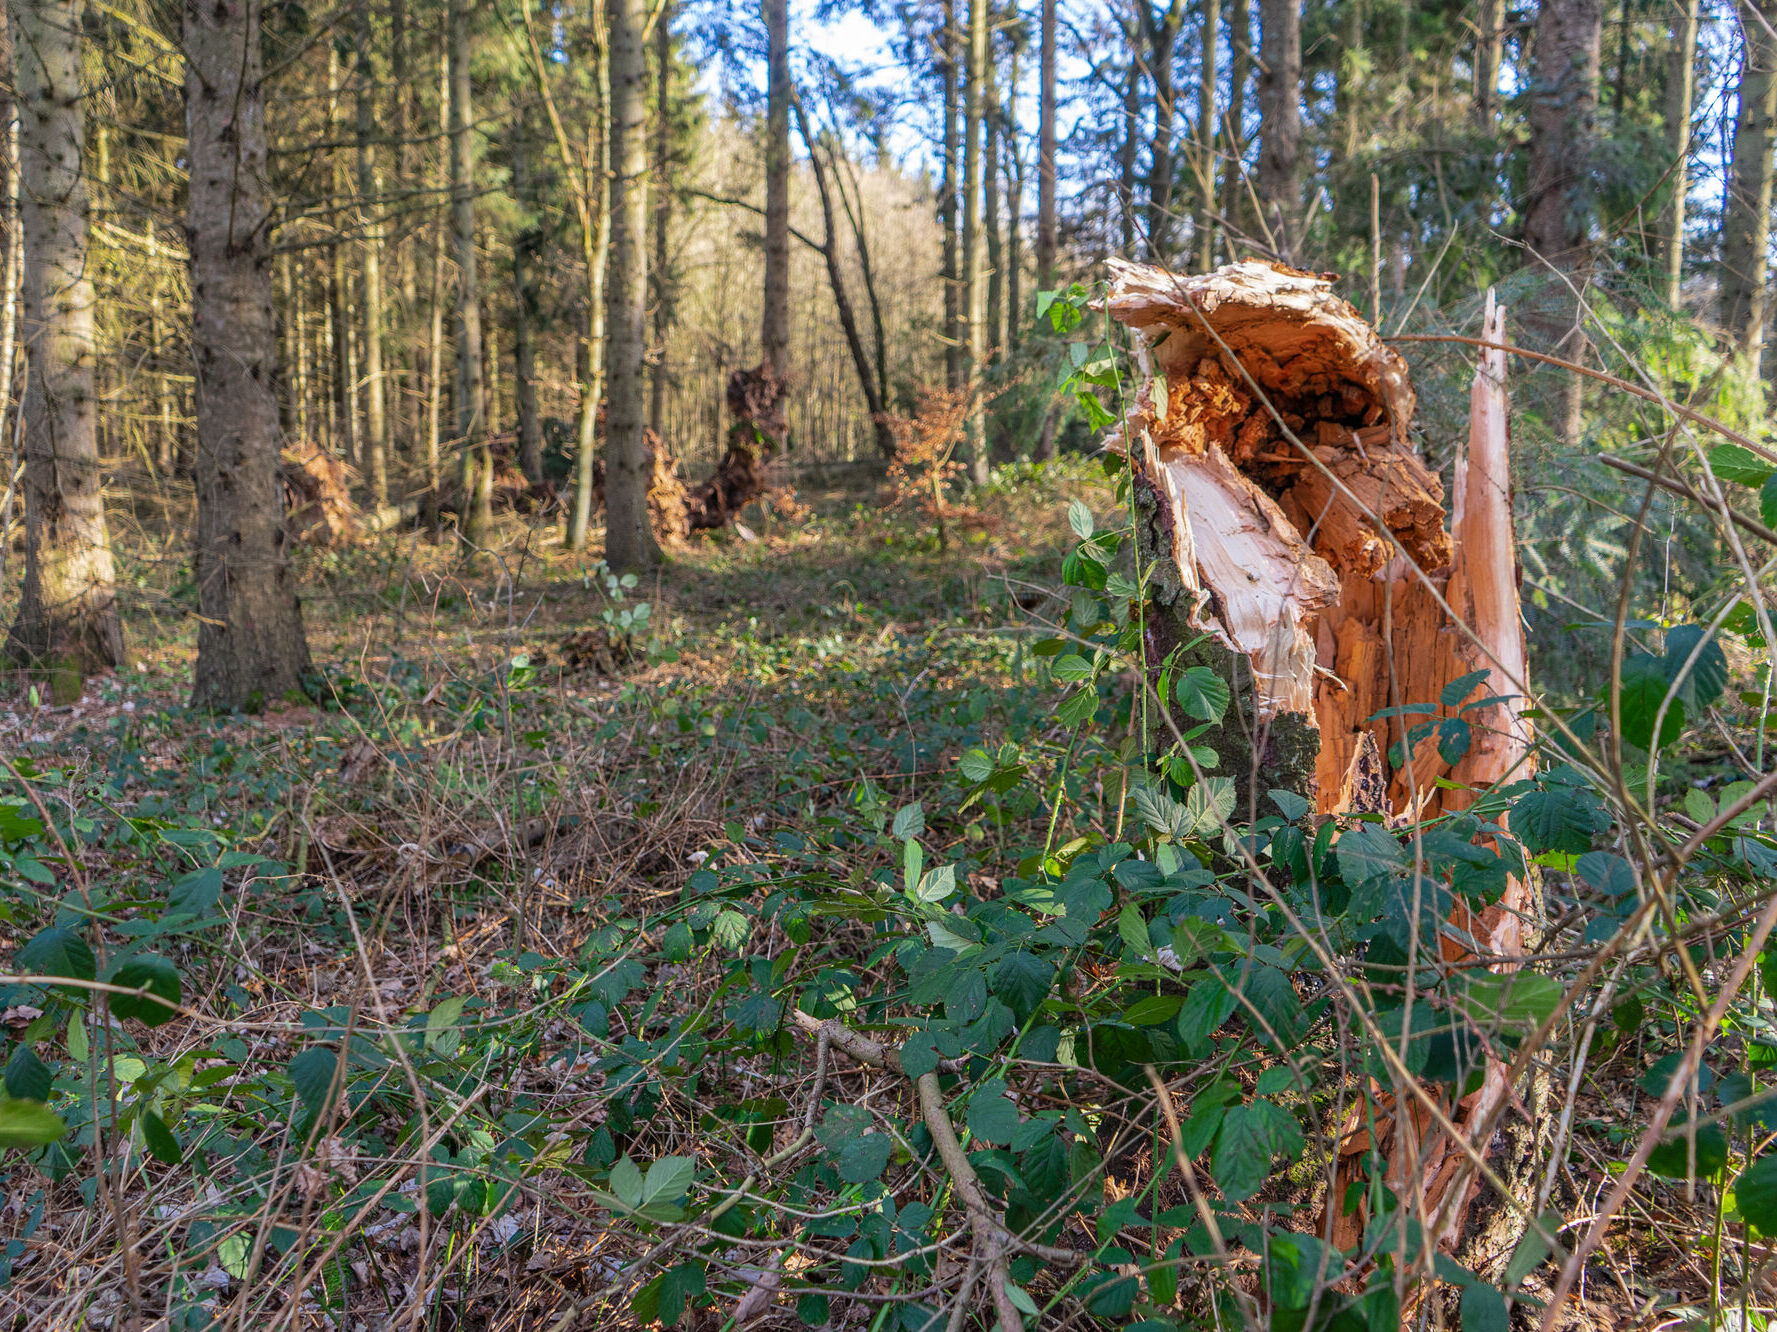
point(629, 533)
point(1046, 237)
point(1681, 81)
point(1240, 62)
point(1563, 120)
point(1746, 228)
point(1279, 177)
point(1014, 171)
point(67, 625)
point(994, 307)
point(1489, 55)
point(974, 285)
point(658, 274)
point(1204, 228)
point(250, 645)
point(476, 467)
point(955, 337)
point(1161, 31)
point(376, 421)
point(774, 317)
point(526, 250)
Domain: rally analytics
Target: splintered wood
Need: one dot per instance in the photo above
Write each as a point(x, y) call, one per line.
point(1310, 537)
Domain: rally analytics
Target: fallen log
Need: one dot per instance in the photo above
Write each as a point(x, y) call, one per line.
point(1301, 547)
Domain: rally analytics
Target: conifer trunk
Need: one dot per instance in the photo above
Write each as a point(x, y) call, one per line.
point(526, 250)
point(974, 295)
point(1046, 237)
point(1162, 38)
point(955, 345)
point(250, 647)
point(629, 532)
point(1279, 177)
point(658, 276)
point(1746, 227)
point(475, 470)
point(1563, 119)
point(1681, 80)
point(370, 277)
point(1205, 165)
point(67, 625)
point(994, 242)
point(1240, 62)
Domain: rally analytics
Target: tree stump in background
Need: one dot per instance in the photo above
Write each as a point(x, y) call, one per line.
point(1300, 544)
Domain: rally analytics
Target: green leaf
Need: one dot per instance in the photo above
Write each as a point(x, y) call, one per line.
point(441, 1025)
point(668, 1179)
point(158, 977)
point(1672, 1158)
point(1079, 517)
point(1767, 501)
point(1290, 804)
point(910, 821)
point(1558, 818)
point(1202, 693)
point(1533, 1248)
point(992, 1116)
point(57, 951)
point(919, 1054)
point(1730, 462)
point(1208, 805)
point(1367, 853)
point(1755, 1195)
point(1250, 1137)
point(864, 1157)
point(1707, 677)
point(1153, 1010)
point(1456, 693)
point(1071, 667)
point(159, 1139)
point(1021, 981)
point(1209, 1004)
point(1483, 1309)
point(28, 1124)
point(937, 885)
point(626, 1182)
point(27, 1076)
point(1645, 690)
point(1133, 929)
point(1518, 998)
point(312, 1073)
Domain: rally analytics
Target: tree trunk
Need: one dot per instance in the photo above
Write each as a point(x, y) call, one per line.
point(1681, 82)
point(658, 275)
point(955, 344)
point(339, 322)
point(1162, 37)
point(1128, 152)
point(993, 241)
point(974, 276)
point(1746, 228)
point(1489, 54)
point(475, 471)
point(1563, 119)
point(1014, 170)
point(629, 533)
point(1046, 237)
point(774, 311)
point(67, 625)
point(526, 249)
point(1313, 568)
point(1204, 227)
point(1279, 177)
point(250, 643)
point(1240, 63)
point(12, 260)
point(376, 421)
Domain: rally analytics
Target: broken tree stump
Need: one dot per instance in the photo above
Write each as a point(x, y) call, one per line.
point(1300, 545)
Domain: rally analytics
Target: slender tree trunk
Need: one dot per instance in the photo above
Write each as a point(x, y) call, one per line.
point(974, 288)
point(853, 203)
point(1046, 238)
point(476, 470)
point(1014, 199)
point(1240, 64)
point(774, 320)
point(1563, 120)
point(1205, 226)
point(67, 625)
point(1681, 82)
point(955, 336)
point(12, 262)
point(376, 421)
point(526, 249)
point(339, 319)
point(1162, 37)
point(658, 276)
point(490, 374)
point(595, 248)
point(1279, 177)
point(1349, 108)
point(435, 369)
point(1489, 54)
point(1746, 228)
point(1128, 153)
point(250, 645)
point(993, 339)
point(165, 449)
point(629, 532)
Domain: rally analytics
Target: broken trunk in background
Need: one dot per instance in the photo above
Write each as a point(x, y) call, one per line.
point(1299, 541)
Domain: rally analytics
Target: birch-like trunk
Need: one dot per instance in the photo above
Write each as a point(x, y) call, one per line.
point(1681, 84)
point(1046, 237)
point(67, 625)
point(475, 470)
point(1746, 228)
point(629, 532)
point(250, 646)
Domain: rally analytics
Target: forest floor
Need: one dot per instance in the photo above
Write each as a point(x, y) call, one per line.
point(491, 798)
